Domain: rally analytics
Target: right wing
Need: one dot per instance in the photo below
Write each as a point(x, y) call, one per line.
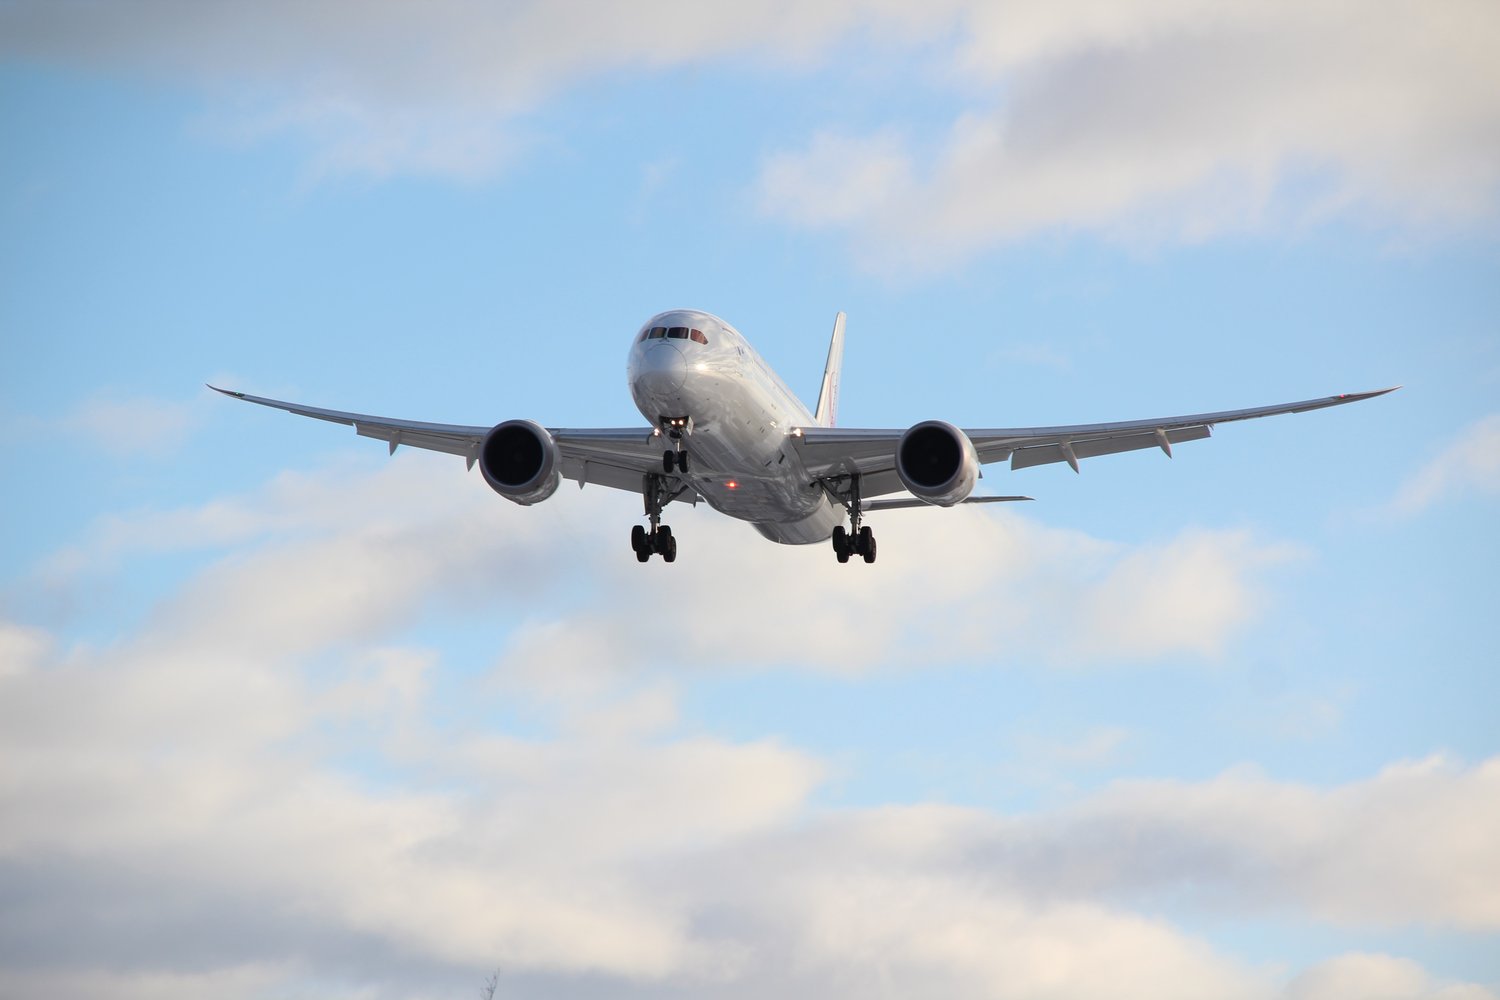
point(617, 457)
point(830, 452)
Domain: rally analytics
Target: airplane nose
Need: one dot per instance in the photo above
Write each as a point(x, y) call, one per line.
point(662, 369)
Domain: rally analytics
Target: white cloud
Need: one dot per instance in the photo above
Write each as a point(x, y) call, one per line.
point(347, 551)
point(1244, 843)
point(261, 790)
point(1146, 120)
point(949, 586)
point(1468, 466)
point(1160, 120)
point(1377, 977)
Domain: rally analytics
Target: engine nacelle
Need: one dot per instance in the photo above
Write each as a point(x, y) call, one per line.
point(937, 463)
point(519, 460)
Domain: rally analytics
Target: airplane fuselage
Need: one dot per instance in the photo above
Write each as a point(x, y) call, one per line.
point(697, 367)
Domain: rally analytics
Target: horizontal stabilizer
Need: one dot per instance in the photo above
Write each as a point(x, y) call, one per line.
point(899, 503)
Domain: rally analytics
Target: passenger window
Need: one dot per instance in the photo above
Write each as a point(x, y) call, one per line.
point(697, 336)
point(658, 332)
point(678, 333)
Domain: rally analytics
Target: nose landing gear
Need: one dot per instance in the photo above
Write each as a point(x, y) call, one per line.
point(675, 458)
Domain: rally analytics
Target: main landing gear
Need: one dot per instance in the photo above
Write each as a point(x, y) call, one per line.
point(659, 539)
point(857, 540)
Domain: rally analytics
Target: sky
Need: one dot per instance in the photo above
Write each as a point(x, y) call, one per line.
point(284, 716)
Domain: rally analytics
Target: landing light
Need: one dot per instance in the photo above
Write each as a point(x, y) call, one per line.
point(731, 484)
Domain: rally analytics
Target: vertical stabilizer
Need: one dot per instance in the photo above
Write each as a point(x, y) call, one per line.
point(828, 393)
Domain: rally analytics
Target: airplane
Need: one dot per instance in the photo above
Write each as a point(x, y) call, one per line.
point(724, 429)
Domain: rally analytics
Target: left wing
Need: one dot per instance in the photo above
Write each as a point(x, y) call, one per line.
point(829, 452)
point(614, 456)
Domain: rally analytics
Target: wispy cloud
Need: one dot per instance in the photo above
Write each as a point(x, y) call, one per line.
point(1469, 466)
point(387, 89)
point(132, 427)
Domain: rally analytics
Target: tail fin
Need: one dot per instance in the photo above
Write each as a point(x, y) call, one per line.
point(828, 394)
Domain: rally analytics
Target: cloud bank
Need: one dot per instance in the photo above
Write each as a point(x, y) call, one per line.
point(271, 786)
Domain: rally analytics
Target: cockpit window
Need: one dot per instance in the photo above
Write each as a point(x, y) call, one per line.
point(675, 333)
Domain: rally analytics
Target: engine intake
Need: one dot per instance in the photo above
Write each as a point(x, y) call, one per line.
point(937, 463)
point(519, 460)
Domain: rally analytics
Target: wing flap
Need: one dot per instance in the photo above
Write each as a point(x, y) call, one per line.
point(466, 445)
point(1044, 454)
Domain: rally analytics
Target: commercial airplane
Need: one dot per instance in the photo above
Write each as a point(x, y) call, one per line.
point(724, 429)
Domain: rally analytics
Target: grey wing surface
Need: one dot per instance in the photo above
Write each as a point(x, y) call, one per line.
point(611, 456)
point(830, 452)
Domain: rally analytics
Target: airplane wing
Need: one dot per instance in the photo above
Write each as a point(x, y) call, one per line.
point(829, 452)
point(612, 456)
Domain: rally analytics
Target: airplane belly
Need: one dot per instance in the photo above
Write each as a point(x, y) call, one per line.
point(811, 530)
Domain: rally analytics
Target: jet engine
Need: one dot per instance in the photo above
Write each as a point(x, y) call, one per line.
point(520, 462)
point(937, 463)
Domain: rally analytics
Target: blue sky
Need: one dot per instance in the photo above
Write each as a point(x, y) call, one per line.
point(282, 716)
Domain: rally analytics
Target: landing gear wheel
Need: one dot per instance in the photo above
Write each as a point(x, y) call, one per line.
point(682, 461)
point(665, 543)
point(668, 460)
point(841, 544)
point(638, 540)
point(867, 543)
point(643, 555)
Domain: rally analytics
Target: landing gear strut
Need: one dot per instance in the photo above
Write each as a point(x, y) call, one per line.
point(659, 539)
point(858, 539)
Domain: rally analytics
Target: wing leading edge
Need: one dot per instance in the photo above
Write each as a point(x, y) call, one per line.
point(829, 451)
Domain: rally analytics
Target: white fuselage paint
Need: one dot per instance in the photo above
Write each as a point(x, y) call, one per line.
point(741, 462)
